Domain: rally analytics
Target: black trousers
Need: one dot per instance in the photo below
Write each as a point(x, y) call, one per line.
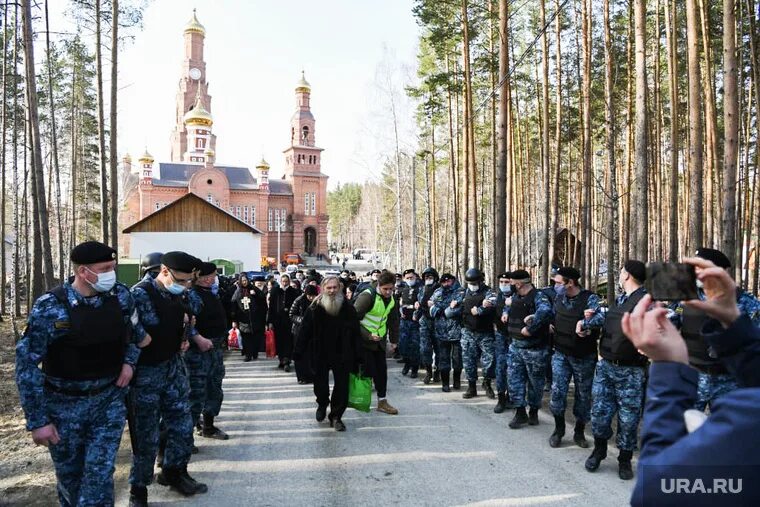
point(339, 400)
point(376, 367)
point(252, 343)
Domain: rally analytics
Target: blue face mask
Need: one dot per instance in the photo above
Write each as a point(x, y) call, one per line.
point(105, 282)
point(175, 289)
point(215, 286)
point(411, 283)
point(505, 288)
point(560, 289)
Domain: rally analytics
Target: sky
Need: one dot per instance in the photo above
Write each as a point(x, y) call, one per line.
point(255, 51)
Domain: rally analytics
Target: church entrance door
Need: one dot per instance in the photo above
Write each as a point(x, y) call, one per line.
point(309, 240)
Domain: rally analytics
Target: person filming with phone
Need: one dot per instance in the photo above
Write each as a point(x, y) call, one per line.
point(683, 446)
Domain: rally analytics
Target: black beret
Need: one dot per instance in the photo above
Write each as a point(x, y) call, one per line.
point(375, 271)
point(407, 271)
point(399, 275)
point(715, 256)
point(636, 269)
point(568, 272)
point(506, 275)
point(259, 278)
point(447, 276)
point(207, 268)
point(180, 261)
point(92, 252)
point(520, 274)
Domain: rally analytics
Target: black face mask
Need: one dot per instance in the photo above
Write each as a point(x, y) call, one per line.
point(513, 289)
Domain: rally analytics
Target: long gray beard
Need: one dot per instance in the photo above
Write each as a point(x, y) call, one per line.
point(332, 305)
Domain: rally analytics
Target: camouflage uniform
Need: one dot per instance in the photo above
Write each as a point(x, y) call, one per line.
point(409, 328)
point(477, 332)
point(205, 369)
point(160, 392)
point(714, 379)
point(428, 338)
point(574, 356)
point(619, 379)
point(448, 328)
point(528, 356)
point(89, 426)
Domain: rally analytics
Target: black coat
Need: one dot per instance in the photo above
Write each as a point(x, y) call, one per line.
point(280, 301)
point(312, 340)
point(254, 319)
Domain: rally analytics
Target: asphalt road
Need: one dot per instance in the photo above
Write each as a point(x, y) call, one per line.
point(440, 450)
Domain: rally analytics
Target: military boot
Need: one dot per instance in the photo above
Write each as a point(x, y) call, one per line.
point(520, 419)
point(211, 431)
point(173, 477)
point(533, 417)
point(501, 405)
point(559, 431)
point(579, 437)
point(429, 375)
point(436, 376)
point(457, 382)
point(445, 382)
point(597, 455)
point(413, 373)
point(489, 389)
point(138, 496)
point(509, 405)
point(199, 486)
point(472, 390)
point(625, 471)
point(405, 369)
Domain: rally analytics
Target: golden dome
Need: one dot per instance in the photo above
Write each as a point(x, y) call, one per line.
point(198, 115)
point(302, 85)
point(263, 165)
point(146, 157)
point(194, 26)
point(209, 152)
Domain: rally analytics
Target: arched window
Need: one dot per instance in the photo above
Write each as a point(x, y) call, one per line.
point(305, 134)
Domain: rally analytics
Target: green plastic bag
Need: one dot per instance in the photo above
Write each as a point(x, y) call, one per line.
point(359, 392)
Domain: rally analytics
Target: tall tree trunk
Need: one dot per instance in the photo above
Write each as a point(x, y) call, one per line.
point(640, 219)
point(453, 175)
point(501, 225)
point(710, 133)
point(54, 149)
point(585, 267)
point(42, 245)
point(545, 268)
point(695, 211)
point(473, 246)
point(15, 261)
point(671, 37)
point(3, 128)
point(114, 214)
point(612, 197)
point(731, 136)
point(557, 137)
point(104, 237)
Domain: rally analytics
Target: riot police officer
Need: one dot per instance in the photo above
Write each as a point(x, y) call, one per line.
point(151, 265)
point(446, 311)
point(478, 309)
point(409, 329)
point(428, 341)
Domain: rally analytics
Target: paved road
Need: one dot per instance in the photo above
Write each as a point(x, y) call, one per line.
point(440, 450)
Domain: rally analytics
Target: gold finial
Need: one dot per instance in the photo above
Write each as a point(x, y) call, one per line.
point(303, 85)
point(194, 26)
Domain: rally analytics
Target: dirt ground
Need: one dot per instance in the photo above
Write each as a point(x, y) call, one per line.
point(26, 471)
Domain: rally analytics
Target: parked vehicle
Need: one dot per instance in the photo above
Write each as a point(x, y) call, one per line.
point(292, 258)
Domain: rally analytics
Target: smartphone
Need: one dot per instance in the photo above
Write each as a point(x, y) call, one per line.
point(671, 281)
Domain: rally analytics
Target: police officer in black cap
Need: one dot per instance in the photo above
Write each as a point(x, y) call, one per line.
point(478, 309)
point(409, 329)
point(577, 321)
point(151, 264)
point(160, 388)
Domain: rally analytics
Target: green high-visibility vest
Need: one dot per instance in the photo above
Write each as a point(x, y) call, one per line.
point(376, 319)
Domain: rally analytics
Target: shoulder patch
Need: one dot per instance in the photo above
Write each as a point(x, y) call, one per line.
point(62, 324)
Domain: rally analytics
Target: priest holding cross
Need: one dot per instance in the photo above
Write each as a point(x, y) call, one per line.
point(249, 311)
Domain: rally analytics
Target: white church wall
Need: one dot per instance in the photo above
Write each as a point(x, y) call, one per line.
point(240, 246)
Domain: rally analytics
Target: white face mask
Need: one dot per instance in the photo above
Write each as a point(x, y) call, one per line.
point(411, 283)
point(429, 281)
point(473, 286)
point(105, 282)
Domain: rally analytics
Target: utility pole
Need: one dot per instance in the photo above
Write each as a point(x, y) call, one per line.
point(279, 254)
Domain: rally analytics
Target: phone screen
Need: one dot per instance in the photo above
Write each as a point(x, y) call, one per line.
point(671, 281)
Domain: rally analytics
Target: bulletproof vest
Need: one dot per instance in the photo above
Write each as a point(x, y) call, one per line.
point(212, 321)
point(427, 293)
point(691, 330)
point(614, 345)
point(475, 322)
point(167, 334)
point(566, 340)
point(521, 307)
point(408, 297)
point(501, 327)
point(94, 346)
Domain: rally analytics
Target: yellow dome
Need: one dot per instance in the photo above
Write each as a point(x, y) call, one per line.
point(194, 26)
point(302, 85)
point(146, 157)
point(198, 115)
point(263, 165)
point(209, 152)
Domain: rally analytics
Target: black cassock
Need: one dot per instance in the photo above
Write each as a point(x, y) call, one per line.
point(249, 308)
point(280, 301)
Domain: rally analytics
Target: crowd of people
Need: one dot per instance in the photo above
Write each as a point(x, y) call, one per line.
point(154, 355)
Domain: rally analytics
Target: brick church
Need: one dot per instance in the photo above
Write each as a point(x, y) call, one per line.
point(296, 201)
